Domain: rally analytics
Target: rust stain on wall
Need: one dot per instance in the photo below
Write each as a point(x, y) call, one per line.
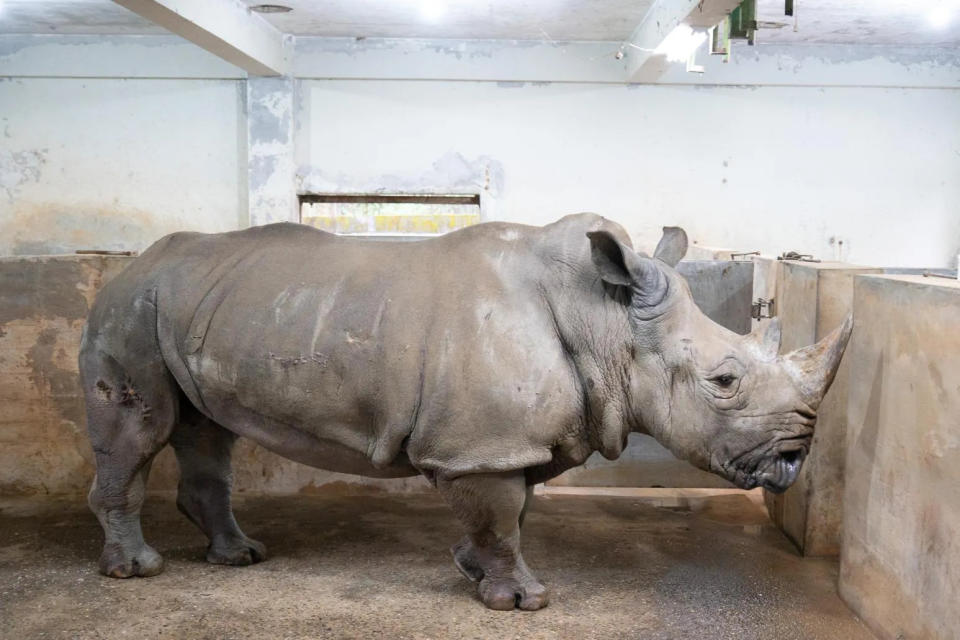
point(62, 227)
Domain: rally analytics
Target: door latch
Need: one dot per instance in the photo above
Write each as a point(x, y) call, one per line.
point(762, 309)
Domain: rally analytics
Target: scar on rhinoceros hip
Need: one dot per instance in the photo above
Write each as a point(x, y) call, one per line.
point(127, 397)
point(104, 392)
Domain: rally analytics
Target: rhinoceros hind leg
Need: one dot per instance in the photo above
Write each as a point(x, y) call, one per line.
point(203, 451)
point(489, 505)
point(129, 420)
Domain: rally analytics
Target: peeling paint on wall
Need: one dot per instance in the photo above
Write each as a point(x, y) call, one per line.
point(271, 165)
point(116, 164)
point(19, 167)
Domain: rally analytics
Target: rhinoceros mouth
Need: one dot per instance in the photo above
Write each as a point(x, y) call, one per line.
point(784, 467)
point(783, 472)
point(776, 469)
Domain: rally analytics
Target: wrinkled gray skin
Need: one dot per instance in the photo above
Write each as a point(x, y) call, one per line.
point(487, 360)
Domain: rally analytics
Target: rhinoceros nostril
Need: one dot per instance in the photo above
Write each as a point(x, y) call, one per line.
point(791, 457)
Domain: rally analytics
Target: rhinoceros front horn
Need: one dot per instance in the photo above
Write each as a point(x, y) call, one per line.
point(814, 367)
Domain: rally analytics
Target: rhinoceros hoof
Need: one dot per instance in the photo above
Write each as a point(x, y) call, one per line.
point(238, 552)
point(464, 557)
point(117, 562)
point(506, 593)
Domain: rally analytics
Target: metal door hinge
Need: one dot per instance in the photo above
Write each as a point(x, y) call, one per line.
point(759, 306)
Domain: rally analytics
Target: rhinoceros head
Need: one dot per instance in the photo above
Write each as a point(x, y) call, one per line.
point(725, 402)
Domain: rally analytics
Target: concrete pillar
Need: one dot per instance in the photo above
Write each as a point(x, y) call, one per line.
point(272, 194)
point(900, 562)
point(812, 299)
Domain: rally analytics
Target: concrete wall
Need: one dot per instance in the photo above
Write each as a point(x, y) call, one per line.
point(116, 140)
point(117, 163)
point(900, 563)
point(43, 305)
point(768, 168)
point(43, 440)
point(812, 300)
point(111, 142)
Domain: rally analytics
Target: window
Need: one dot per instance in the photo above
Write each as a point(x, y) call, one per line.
point(389, 216)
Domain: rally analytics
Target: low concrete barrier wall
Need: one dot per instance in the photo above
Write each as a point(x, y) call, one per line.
point(43, 305)
point(43, 438)
point(813, 298)
point(900, 561)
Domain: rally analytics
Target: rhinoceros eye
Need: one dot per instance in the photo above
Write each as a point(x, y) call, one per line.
point(724, 381)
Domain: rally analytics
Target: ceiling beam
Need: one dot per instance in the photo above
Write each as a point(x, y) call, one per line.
point(663, 17)
point(225, 28)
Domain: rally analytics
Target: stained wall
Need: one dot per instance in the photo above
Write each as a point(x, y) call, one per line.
point(44, 448)
point(900, 561)
point(813, 299)
point(109, 163)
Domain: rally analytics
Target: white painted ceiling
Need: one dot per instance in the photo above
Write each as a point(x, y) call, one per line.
point(494, 19)
point(72, 17)
point(818, 21)
point(861, 22)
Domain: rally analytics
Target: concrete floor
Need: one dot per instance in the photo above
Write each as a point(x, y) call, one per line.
point(375, 565)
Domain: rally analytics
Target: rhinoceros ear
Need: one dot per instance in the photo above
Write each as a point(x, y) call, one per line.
point(620, 265)
point(672, 246)
point(612, 259)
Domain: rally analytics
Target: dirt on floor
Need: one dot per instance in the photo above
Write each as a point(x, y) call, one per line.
point(370, 565)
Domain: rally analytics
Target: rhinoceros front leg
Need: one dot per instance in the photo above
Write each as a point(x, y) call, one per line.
point(203, 451)
point(465, 554)
point(491, 508)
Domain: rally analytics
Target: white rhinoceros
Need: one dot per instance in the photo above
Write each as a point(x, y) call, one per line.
point(487, 360)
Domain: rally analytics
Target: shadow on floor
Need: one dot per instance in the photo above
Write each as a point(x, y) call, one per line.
point(377, 565)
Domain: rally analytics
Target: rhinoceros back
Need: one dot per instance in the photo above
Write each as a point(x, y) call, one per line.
point(436, 353)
